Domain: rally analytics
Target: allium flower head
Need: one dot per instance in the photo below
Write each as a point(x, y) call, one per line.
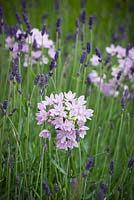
point(37, 40)
point(68, 115)
point(95, 60)
point(45, 134)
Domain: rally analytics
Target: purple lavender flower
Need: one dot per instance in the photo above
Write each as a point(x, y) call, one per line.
point(77, 135)
point(88, 47)
point(97, 52)
point(91, 21)
point(90, 163)
point(18, 17)
point(123, 103)
point(15, 72)
point(77, 23)
point(83, 16)
point(88, 80)
point(52, 65)
point(43, 81)
point(18, 77)
point(35, 45)
point(5, 104)
point(119, 75)
point(83, 57)
point(46, 188)
point(28, 24)
point(84, 174)
point(44, 29)
point(102, 191)
point(37, 78)
point(6, 28)
point(20, 46)
point(56, 56)
point(13, 30)
point(1, 12)
point(131, 162)
point(58, 27)
point(107, 60)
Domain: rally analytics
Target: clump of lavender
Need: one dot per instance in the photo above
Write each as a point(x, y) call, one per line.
point(131, 162)
point(68, 115)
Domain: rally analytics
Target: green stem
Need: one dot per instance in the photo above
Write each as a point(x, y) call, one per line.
point(9, 172)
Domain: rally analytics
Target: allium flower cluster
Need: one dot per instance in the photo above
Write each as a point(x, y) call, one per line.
point(36, 47)
point(68, 115)
point(121, 74)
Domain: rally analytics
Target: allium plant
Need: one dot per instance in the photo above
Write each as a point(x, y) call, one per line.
point(121, 74)
point(36, 46)
point(68, 115)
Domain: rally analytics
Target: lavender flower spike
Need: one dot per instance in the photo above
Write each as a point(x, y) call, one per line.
point(91, 20)
point(102, 191)
point(97, 52)
point(88, 47)
point(90, 163)
point(82, 58)
point(46, 188)
point(131, 162)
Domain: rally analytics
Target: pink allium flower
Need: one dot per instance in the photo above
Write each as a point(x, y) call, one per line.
point(25, 48)
point(31, 57)
point(18, 33)
point(111, 50)
point(95, 78)
point(9, 42)
point(41, 117)
point(70, 96)
point(36, 54)
point(67, 114)
point(45, 134)
point(95, 60)
point(121, 52)
point(108, 89)
point(51, 52)
point(15, 47)
point(44, 60)
point(131, 54)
